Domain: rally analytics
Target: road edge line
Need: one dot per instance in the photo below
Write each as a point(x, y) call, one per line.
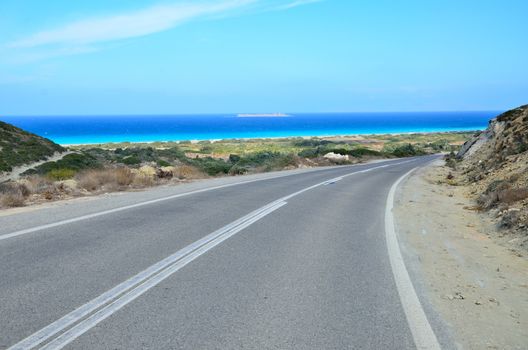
point(163, 199)
point(422, 332)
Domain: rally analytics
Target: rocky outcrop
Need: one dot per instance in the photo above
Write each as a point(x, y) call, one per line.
point(495, 164)
point(506, 136)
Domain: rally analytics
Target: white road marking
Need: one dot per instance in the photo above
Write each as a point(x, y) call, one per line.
point(142, 278)
point(77, 322)
point(423, 335)
point(141, 204)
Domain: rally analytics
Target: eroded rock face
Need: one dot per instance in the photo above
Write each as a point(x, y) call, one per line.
point(495, 164)
point(506, 135)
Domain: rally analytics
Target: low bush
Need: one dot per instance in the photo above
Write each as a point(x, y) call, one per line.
point(143, 180)
point(501, 192)
point(124, 176)
point(12, 200)
point(131, 160)
point(237, 170)
point(312, 143)
point(509, 219)
point(74, 162)
point(13, 194)
point(309, 153)
point(361, 152)
point(407, 150)
point(267, 160)
point(60, 174)
point(102, 179)
point(187, 172)
point(211, 166)
point(451, 160)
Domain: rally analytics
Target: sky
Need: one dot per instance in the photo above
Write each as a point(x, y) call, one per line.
point(63, 57)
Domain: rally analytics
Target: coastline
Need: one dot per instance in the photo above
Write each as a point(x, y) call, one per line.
point(358, 136)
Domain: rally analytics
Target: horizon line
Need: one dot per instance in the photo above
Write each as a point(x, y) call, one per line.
point(235, 113)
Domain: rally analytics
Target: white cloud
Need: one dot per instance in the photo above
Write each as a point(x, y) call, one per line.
point(122, 26)
point(297, 3)
point(89, 35)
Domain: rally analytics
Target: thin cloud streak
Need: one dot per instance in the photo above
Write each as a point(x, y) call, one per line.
point(94, 34)
point(123, 26)
point(297, 3)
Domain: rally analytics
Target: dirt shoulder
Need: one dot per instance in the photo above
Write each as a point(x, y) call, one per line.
point(476, 282)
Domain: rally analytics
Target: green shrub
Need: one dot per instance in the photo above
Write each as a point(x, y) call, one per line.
point(18, 147)
point(162, 162)
point(312, 143)
point(356, 152)
point(309, 153)
point(211, 166)
point(233, 158)
point(74, 161)
point(267, 160)
point(237, 170)
point(131, 160)
point(407, 150)
point(60, 174)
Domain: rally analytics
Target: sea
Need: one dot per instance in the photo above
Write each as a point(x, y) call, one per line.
point(70, 130)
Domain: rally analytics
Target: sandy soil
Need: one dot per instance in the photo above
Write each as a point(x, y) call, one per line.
point(477, 284)
point(15, 173)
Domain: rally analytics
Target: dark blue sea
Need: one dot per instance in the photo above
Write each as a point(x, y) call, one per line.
point(100, 129)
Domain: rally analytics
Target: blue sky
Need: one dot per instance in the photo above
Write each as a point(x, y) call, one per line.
point(164, 57)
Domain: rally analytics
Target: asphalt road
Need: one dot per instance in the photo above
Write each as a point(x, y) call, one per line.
point(286, 260)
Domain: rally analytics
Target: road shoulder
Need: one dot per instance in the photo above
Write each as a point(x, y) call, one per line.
point(477, 286)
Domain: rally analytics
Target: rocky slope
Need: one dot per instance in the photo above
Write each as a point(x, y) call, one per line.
point(19, 147)
point(495, 166)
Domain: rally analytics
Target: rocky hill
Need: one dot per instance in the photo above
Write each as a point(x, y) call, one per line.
point(19, 147)
point(495, 164)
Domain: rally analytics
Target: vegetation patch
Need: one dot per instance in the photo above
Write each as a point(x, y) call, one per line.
point(69, 163)
point(19, 147)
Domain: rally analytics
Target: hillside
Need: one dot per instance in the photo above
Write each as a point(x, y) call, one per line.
point(19, 147)
point(495, 165)
point(91, 169)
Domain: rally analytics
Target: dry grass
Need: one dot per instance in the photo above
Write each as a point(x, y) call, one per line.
point(36, 188)
point(13, 194)
point(106, 179)
point(188, 172)
point(142, 180)
point(124, 176)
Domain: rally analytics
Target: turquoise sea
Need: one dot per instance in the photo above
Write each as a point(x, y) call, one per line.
point(144, 128)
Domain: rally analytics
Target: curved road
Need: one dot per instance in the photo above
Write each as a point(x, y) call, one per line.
point(290, 260)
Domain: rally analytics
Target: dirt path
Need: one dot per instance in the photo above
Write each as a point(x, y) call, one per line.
point(479, 287)
point(15, 173)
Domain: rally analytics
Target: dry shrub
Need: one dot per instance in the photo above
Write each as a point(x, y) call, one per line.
point(106, 179)
point(142, 180)
point(501, 192)
point(165, 173)
point(89, 180)
point(13, 194)
point(187, 172)
point(512, 195)
point(509, 219)
point(38, 184)
point(10, 200)
point(147, 170)
point(124, 176)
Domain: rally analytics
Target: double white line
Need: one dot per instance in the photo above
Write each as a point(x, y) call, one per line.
point(117, 297)
point(66, 329)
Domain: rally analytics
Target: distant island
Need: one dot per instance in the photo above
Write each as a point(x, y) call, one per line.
point(262, 115)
